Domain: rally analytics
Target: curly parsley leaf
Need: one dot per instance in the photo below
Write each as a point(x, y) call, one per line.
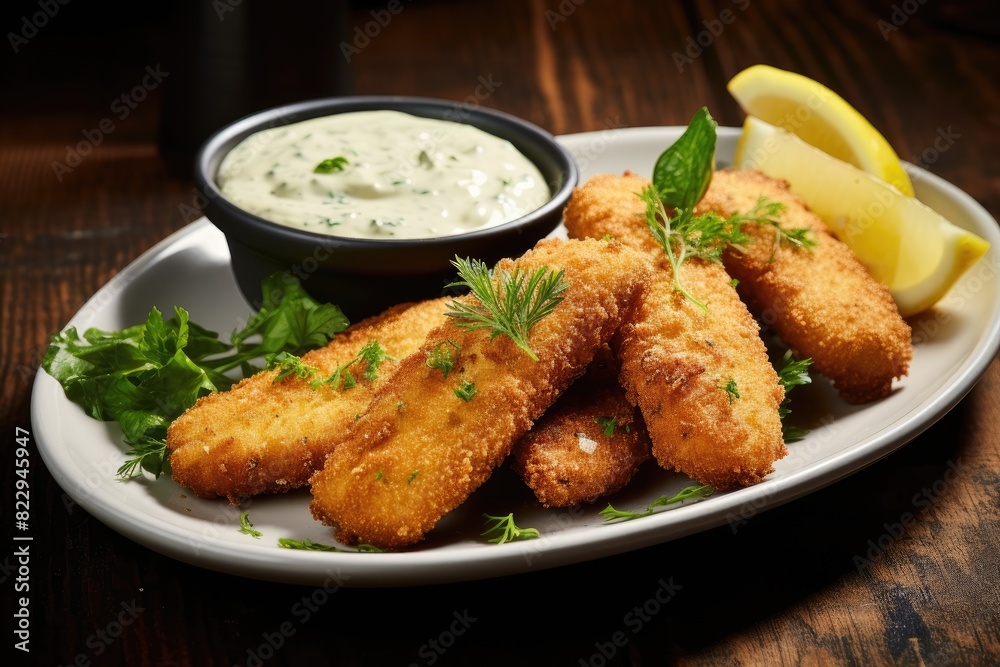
point(792, 373)
point(372, 355)
point(444, 356)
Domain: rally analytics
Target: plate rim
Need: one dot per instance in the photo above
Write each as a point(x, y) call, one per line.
point(433, 566)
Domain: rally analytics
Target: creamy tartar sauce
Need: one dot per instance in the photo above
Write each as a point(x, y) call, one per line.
point(395, 176)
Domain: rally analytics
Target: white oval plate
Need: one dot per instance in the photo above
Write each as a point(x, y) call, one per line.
point(191, 269)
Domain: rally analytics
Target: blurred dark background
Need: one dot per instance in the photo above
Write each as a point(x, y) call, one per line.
point(179, 69)
point(224, 59)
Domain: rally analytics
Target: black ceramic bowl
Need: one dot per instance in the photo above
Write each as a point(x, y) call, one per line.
point(365, 276)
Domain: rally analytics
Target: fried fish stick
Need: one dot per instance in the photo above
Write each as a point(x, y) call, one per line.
point(822, 303)
point(702, 378)
point(589, 444)
point(265, 437)
point(435, 433)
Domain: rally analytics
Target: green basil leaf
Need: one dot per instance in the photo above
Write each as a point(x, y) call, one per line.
point(684, 170)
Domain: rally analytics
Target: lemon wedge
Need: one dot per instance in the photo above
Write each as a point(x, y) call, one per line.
point(820, 117)
point(905, 244)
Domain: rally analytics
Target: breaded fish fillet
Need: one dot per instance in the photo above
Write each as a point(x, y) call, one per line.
point(702, 379)
point(430, 437)
point(265, 437)
point(588, 445)
point(822, 303)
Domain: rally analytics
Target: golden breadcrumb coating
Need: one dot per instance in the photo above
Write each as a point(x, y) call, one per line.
point(588, 445)
point(265, 437)
point(702, 379)
point(822, 303)
point(420, 450)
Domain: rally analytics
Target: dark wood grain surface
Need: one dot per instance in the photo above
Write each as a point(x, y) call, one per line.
point(786, 587)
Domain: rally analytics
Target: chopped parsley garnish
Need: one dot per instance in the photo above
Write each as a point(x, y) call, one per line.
point(288, 365)
point(443, 356)
point(511, 304)
point(331, 165)
point(608, 424)
point(372, 355)
point(247, 528)
point(466, 391)
point(731, 389)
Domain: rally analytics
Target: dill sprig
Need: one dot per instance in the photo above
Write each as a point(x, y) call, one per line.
point(703, 491)
point(683, 236)
point(309, 545)
point(147, 454)
point(506, 530)
point(681, 177)
point(767, 212)
point(510, 302)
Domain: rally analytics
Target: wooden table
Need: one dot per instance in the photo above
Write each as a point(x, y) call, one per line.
point(786, 588)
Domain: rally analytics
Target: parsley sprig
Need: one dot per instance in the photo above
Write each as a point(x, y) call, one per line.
point(792, 373)
point(146, 375)
point(510, 302)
